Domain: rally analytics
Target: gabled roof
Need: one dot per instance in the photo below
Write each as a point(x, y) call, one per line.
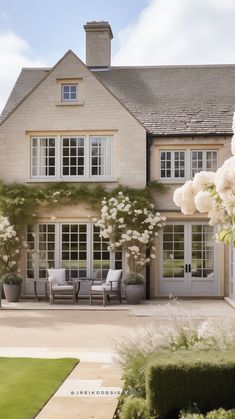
point(26, 82)
point(167, 100)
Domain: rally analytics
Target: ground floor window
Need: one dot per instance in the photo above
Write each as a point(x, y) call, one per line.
point(77, 247)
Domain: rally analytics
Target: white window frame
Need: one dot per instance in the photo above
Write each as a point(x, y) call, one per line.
point(107, 172)
point(106, 144)
point(86, 173)
point(32, 157)
point(69, 85)
point(172, 169)
point(204, 159)
point(188, 163)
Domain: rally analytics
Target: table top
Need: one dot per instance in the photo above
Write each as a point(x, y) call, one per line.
point(43, 281)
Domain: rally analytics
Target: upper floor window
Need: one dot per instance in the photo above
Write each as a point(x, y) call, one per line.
point(69, 92)
point(172, 164)
point(176, 165)
point(203, 160)
point(71, 157)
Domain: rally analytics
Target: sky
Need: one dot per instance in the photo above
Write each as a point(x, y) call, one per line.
point(146, 32)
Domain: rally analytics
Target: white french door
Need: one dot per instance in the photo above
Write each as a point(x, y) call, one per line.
point(188, 259)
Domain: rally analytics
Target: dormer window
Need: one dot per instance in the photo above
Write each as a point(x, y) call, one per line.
point(69, 92)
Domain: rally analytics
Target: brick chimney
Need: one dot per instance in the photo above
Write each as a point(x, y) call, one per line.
point(98, 44)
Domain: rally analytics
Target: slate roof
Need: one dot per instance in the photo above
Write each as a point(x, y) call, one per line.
point(27, 80)
point(167, 100)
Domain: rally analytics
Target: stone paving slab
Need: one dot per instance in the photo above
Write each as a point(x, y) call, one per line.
point(161, 308)
point(52, 353)
point(69, 403)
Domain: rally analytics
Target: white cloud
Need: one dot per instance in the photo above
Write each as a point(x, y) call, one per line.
point(14, 54)
point(179, 32)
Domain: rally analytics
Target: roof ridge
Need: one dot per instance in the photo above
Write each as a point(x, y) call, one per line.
point(172, 66)
point(36, 68)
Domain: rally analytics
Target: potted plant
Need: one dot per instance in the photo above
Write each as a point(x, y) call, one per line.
point(134, 288)
point(10, 250)
point(12, 286)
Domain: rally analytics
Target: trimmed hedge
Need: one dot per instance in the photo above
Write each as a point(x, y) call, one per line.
point(180, 380)
point(215, 414)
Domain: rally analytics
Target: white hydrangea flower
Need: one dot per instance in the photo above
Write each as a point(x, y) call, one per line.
point(203, 180)
point(204, 201)
point(184, 198)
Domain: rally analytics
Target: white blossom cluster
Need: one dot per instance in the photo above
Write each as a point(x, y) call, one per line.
point(130, 227)
point(213, 193)
point(9, 246)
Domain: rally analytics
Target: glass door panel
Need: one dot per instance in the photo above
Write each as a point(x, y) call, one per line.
point(202, 256)
point(74, 250)
point(173, 251)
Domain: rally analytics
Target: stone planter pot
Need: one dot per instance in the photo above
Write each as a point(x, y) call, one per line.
point(134, 293)
point(12, 292)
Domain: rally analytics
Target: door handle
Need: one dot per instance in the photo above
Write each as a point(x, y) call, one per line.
point(186, 268)
point(189, 268)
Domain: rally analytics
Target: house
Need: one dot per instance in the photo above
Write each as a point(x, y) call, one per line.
point(96, 123)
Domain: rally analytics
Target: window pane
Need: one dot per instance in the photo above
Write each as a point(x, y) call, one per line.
point(73, 254)
point(179, 164)
point(165, 164)
point(41, 250)
point(69, 92)
point(211, 161)
point(100, 156)
point(72, 147)
point(43, 161)
point(101, 261)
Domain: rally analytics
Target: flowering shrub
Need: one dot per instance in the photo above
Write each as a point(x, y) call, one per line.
point(9, 247)
point(213, 193)
point(131, 227)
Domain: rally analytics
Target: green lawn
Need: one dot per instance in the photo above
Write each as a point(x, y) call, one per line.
point(27, 384)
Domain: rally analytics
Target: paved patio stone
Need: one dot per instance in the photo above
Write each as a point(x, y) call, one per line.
point(87, 377)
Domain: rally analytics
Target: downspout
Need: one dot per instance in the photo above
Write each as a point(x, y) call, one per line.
point(148, 174)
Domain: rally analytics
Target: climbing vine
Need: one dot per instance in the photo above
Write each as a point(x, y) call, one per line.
point(20, 202)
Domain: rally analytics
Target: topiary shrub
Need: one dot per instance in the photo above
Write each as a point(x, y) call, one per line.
point(176, 381)
point(135, 408)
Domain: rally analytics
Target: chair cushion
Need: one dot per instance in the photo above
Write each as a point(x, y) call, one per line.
point(100, 288)
point(113, 275)
point(58, 276)
point(62, 287)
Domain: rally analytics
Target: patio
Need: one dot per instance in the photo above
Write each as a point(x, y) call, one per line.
point(90, 333)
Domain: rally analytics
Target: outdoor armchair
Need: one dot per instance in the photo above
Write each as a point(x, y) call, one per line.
point(110, 288)
point(59, 287)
